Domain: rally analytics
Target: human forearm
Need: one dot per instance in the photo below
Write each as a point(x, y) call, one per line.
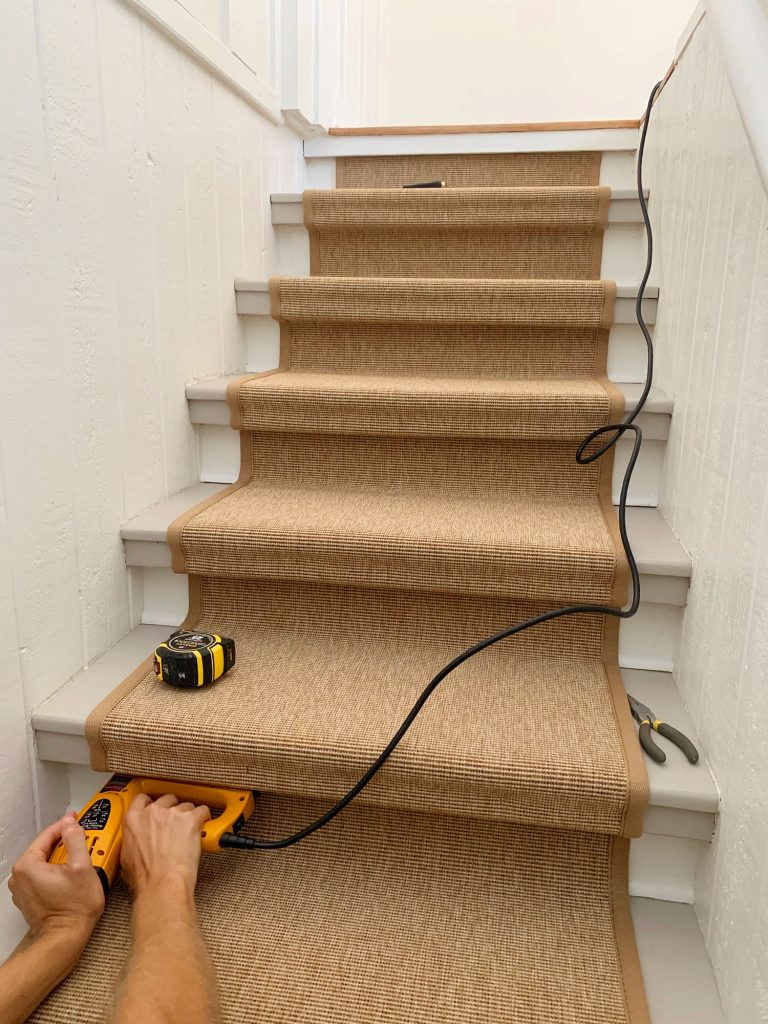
point(170, 976)
point(37, 966)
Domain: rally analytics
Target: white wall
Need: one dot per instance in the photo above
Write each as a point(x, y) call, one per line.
point(508, 61)
point(710, 214)
point(134, 187)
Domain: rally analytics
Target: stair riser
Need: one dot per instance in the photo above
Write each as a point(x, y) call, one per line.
point(617, 170)
point(623, 252)
point(219, 455)
point(626, 348)
point(660, 866)
point(664, 867)
point(648, 641)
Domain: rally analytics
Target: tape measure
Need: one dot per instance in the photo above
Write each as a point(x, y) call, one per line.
point(194, 659)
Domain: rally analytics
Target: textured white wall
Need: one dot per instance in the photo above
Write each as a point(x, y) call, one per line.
point(134, 187)
point(506, 61)
point(710, 214)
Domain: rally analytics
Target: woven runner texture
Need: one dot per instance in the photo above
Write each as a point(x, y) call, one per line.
point(390, 916)
point(408, 486)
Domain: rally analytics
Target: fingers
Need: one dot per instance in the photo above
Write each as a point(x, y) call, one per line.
point(200, 811)
point(201, 814)
point(167, 800)
point(139, 802)
point(41, 846)
point(75, 845)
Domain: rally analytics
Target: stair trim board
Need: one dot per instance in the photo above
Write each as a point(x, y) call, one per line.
point(538, 141)
point(252, 299)
point(288, 208)
point(59, 727)
point(474, 129)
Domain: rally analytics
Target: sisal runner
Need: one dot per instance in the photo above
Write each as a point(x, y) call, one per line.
point(408, 486)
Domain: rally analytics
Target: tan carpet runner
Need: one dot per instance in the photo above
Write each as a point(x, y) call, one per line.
point(408, 485)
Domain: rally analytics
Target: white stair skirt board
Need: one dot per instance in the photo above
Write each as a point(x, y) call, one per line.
point(219, 450)
point(683, 798)
point(616, 170)
point(678, 976)
point(623, 256)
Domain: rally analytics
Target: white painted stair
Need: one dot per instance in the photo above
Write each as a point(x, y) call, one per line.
point(678, 823)
point(626, 348)
point(683, 799)
point(220, 451)
point(623, 239)
point(646, 642)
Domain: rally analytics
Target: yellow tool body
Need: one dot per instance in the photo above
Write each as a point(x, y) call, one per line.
point(103, 817)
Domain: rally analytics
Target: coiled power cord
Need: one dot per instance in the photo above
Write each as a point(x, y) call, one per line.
point(584, 457)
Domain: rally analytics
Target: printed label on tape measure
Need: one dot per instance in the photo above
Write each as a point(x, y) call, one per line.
point(191, 641)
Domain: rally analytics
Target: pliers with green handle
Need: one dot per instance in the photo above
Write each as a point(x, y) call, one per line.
point(646, 719)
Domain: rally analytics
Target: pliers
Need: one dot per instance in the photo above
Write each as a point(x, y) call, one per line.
point(646, 719)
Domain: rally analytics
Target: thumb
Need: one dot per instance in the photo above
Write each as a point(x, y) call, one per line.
point(75, 845)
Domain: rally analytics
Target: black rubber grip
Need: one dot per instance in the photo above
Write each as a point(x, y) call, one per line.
point(653, 750)
point(680, 740)
point(102, 874)
point(229, 841)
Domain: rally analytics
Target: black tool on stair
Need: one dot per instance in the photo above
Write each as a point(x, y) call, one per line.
point(192, 659)
point(427, 184)
point(585, 454)
point(647, 721)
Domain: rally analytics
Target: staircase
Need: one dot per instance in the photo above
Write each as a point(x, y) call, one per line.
point(680, 817)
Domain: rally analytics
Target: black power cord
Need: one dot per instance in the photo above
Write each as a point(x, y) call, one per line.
point(584, 458)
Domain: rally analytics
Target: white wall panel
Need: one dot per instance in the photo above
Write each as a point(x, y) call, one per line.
point(710, 214)
point(506, 61)
point(134, 188)
point(207, 12)
point(252, 34)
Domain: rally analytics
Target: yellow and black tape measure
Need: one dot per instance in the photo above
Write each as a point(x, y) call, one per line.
point(194, 659)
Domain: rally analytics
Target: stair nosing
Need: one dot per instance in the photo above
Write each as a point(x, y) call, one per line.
point(214, 389)
point(623, 291)
point(287, 208)
point(151, 527)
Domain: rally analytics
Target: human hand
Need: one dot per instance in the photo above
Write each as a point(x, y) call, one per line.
point(64, 898)
point(161, 843)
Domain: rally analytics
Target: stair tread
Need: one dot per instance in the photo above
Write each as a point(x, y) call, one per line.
point(679, 980)
point(675, 784)
point(297, 197)
point(539, 138)
point(488, 407)
point(624, 206)
point(214, 389)
point(623, 291)
point(656, 548)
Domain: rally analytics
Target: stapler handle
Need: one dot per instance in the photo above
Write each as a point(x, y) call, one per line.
point(235, 806)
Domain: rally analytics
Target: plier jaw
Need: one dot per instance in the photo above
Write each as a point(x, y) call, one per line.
point(648, 721)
